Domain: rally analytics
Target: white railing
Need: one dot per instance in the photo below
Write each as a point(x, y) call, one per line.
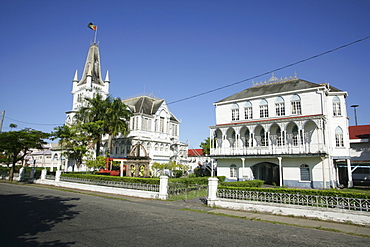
point(266, 150)
point(297, 199)
point(135, 186)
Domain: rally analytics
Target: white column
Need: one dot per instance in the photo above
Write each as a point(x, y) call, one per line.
point(323, 172)
point(163, 191)
point(243, 169)
point(212, 191)
point(57, 176)
point(280, 171)
point(43, 174)
point(349, 169)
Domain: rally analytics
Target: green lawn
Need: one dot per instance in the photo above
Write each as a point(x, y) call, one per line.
point(358, 189)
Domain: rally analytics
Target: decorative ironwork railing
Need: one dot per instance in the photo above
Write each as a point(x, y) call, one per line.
point(135, 186)
point(50, 177)
point(297, 199)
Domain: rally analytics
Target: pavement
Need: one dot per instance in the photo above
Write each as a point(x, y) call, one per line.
point(199, 205)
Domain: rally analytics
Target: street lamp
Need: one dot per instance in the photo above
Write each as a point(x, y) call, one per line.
point(354, 108)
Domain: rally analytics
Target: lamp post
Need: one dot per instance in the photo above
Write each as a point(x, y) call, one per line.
point(354, 107)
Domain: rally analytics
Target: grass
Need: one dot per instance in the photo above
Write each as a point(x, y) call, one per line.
point(358, 189)
point(189, 195)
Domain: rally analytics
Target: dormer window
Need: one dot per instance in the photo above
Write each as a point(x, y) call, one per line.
point(235, 112)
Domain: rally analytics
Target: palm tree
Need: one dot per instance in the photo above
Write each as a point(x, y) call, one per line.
point(111, 112)
point(116, 121)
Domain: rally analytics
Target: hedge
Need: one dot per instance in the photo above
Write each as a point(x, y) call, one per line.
point(196, 180)
point(331, 192)
point(113, 178)
point(248, 183)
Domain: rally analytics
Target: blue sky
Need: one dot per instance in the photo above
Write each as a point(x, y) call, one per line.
point(176, 49)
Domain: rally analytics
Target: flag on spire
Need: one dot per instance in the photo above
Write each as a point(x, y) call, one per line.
point(92, 26)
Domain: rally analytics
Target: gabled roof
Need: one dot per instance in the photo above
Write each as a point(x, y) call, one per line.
point(359, 132)
point(278, 87)
point(143, 104)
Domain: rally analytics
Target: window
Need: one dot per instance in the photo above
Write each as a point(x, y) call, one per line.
point(305, 172)
point(264, 138)
point(296, 105)
point(264, 110)
point(339, 137)
point(248, 114)
point(233, 172)
point(280, 106)
point(295, 135)
point(161, 125)
point(278, 137)
point(336, 107)
point(235, 112)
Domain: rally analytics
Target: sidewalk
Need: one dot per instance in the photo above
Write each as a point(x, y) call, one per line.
point(198, 204)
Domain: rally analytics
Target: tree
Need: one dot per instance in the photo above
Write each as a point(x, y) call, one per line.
point(206, 145)
point(116, 119)
point(16, 144)
point(77, 139)
point(97, 163)
point(111, 112)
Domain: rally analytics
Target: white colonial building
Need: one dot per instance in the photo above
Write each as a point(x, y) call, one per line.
point(155, 128)
point(288, 132)
point(152, 125)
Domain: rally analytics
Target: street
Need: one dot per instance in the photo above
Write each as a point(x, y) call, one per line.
point(37, 216)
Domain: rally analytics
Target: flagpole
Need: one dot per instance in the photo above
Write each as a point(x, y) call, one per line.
point(95, 35)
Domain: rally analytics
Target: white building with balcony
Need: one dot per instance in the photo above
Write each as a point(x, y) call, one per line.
point(288, 132)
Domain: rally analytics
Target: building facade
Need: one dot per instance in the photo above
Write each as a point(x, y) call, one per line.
point(288, 132)
point(152, 124)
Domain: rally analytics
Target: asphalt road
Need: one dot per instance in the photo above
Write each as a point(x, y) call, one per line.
point(37, 216)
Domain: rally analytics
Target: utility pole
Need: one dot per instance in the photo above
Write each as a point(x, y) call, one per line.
point(354, 107)
point(1, 120)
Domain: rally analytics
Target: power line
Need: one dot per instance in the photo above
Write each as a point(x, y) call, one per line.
point(30, 123)
point(269, 72)
point(238, 82)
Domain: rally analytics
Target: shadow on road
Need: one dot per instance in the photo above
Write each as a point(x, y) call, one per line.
point(23, 216)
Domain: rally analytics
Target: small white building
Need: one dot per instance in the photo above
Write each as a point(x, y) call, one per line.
point(288, 132)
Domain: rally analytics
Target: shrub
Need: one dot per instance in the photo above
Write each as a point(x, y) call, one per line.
point(248, 183)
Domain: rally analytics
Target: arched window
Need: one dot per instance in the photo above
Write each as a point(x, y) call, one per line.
point(248, 112)
point(339, 137)
point(279, 106)
point(233, 171)
point(336, 106)
point(296, 105)
point(305, 172)
point(295, 135)
point(264, 138)
point(235, 112)
point(264, 109)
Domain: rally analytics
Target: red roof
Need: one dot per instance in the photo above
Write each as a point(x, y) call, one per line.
point(195, 152)
point(359, 132)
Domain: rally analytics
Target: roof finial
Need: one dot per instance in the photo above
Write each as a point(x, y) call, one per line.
point(75, 78)
point(107, 77)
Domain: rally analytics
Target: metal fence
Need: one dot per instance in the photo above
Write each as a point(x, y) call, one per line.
point(135, 186)
point(178, 189)
point(297, 199)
